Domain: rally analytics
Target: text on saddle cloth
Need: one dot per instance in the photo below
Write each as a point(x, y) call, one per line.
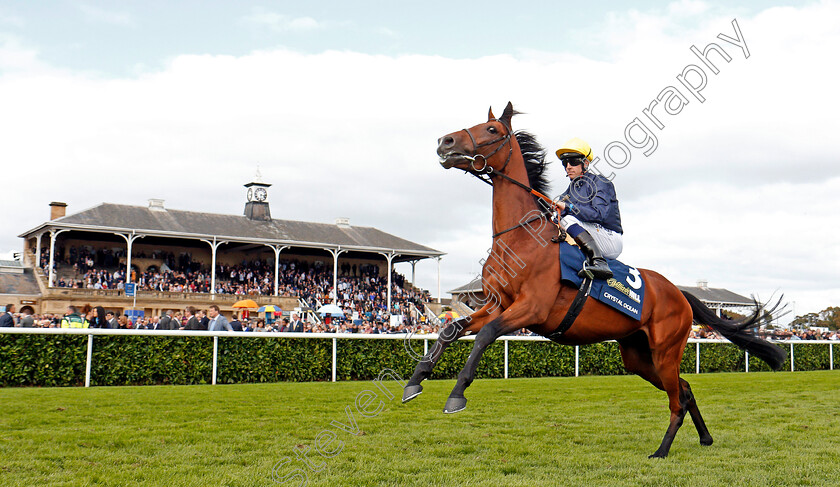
point(625, 291)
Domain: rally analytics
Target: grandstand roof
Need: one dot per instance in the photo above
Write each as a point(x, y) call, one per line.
point(717, 295)
point(108, 217)
point(474, 286)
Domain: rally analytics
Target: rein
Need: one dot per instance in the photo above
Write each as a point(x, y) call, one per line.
point(487, 173)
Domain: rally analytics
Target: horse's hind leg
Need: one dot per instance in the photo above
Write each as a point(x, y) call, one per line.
point(705, 436)
point(663, 373)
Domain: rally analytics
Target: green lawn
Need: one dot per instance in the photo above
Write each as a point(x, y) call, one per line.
point(769, 429)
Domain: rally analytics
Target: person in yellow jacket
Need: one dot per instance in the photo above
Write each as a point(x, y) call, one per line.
point(73, 320)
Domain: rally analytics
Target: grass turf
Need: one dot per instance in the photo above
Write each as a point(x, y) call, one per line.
point(769, 429)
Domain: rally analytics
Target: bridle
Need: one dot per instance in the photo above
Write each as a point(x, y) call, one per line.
point(487, 173)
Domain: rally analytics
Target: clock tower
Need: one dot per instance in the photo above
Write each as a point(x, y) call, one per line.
point(257, 206)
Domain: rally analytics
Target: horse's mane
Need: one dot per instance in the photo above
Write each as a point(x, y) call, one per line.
point(534, 156)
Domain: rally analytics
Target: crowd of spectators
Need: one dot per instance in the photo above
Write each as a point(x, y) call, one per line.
point(362, 291)
point(780, 334)
point(197, 319)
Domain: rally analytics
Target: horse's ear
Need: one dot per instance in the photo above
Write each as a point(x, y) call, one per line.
point(508, 114)
point(490, 115)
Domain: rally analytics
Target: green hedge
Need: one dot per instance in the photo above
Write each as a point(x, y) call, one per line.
point(59, 360)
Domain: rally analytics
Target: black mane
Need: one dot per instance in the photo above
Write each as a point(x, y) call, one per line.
point(534, 156)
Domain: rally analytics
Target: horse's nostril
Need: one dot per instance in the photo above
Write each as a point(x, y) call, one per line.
point(448, 141)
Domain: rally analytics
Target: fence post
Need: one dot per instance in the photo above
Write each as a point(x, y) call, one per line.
point(425, 347)
point(697, 357)
point(791, 356)
point(746, 361)
point(89, 359)
point(506, 358)
point(577, 360)
point(215, 356)
point(830, 356)
point(335, 340)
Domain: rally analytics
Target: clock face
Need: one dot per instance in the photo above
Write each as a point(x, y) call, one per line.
point(250, 194)
point(260, 194)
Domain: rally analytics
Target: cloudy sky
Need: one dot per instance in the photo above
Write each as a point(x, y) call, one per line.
point(340, 105)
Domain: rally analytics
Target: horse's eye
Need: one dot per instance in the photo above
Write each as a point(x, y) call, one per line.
point(491, 129)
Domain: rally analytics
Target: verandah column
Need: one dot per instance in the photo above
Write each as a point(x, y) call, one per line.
point(335, 253)
point(389, 256)
point(214, 246)
point(277, 249)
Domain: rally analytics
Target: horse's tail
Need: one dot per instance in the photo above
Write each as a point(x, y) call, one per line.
point(738, 332)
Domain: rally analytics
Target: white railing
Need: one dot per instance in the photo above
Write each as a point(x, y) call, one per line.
point(91, 332)
point(432, 317)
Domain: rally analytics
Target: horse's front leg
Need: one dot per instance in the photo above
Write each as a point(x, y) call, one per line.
point(448, 335)
point(519, 315)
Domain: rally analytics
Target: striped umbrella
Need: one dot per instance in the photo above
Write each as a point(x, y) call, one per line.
point(449, 315)
point(270, 309)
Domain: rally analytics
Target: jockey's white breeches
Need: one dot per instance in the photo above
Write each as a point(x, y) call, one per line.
point(611, 243)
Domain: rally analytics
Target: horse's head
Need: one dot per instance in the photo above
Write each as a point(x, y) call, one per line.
point(479, 149)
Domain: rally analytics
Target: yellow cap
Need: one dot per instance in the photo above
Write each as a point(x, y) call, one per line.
point(576, 145)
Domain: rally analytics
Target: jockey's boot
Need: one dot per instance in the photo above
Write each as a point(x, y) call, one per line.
point(596, 264)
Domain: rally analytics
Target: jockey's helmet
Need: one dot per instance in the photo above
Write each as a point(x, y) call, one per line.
point(575, 148)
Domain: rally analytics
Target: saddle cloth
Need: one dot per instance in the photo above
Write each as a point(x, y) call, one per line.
point(625, 291)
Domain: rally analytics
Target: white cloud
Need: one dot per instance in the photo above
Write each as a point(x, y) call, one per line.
point(15, 57)
point(100, 15)
point(740, 190)
point(283, 23)
point(12, 20)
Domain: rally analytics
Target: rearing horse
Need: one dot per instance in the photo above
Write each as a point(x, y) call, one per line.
point(530, 295)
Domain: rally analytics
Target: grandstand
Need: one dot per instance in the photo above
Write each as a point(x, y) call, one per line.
point(179, 257)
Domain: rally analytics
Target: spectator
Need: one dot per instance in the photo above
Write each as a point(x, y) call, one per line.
point(236, 324)
point(113, 323)
point(192, 321)
point(73, 320)
point(217, 321)
point(7, 319)
point(27, 320)
point(166, 322)
point(98, 318)
point(203, 320)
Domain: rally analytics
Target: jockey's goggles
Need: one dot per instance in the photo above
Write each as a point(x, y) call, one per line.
point(574, 161)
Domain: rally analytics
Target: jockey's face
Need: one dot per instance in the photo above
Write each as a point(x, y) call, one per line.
point(574, 172)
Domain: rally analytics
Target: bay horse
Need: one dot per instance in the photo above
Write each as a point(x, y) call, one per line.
point(521, 279)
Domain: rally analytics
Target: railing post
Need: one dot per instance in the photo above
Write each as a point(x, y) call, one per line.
point(89, 358)
point(577, 360)
point(746, 361)
point(506, 358)
point(830, 356)
point(215, 356)
point(791, 356)
point(425, 347)
point(335, 340)
point(697, 357)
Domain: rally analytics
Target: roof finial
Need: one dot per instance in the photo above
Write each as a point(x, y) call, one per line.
point(258, 178)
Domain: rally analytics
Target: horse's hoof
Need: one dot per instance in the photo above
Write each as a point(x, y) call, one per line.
point(410, 392)
point(706, 441)
point(658, 455)
point(455, 404)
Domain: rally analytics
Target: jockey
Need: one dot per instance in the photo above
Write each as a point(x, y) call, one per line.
point(589, 210)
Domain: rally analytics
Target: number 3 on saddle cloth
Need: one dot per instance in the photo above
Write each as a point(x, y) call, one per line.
point(625, 291)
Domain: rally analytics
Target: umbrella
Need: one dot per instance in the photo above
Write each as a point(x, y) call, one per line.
point(449, 315)
point(270, 309)
point(246, 303)
point(330, 309)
